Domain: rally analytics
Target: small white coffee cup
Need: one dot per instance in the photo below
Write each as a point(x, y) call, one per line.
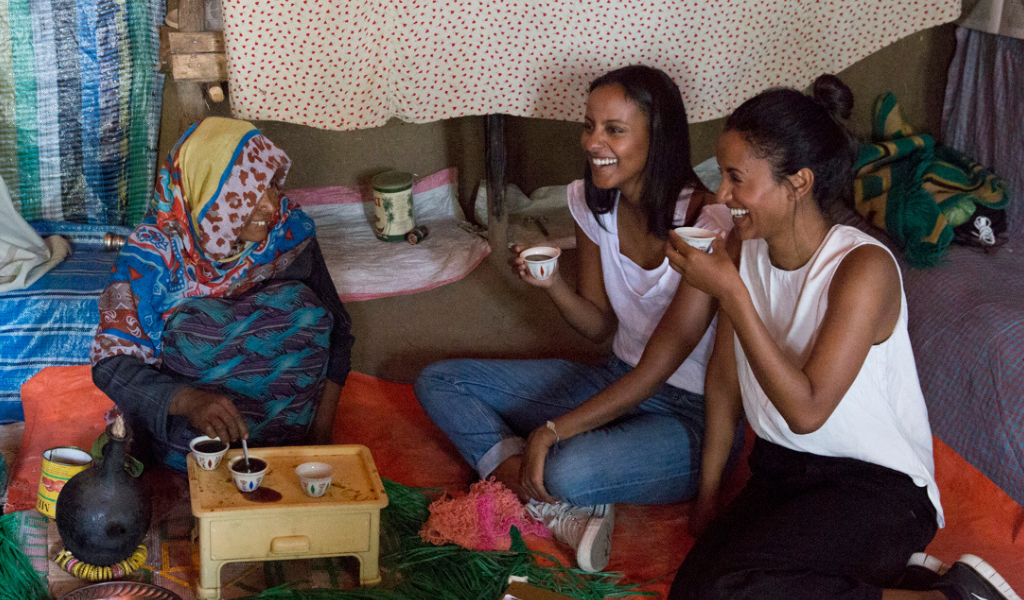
point(697, 237)
point(541, 261)
point(248, 482)
point(315, 478)
point(207, 461)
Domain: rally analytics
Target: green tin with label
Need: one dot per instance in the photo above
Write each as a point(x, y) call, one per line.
point(392, 198)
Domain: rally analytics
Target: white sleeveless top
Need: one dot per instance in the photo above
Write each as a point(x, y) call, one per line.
point(882, 419)
point(640, 297)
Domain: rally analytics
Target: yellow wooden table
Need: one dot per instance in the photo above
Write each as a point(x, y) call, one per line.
point(279, 521)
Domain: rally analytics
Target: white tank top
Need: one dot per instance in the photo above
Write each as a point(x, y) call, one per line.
point(638, 296)
point(882, 419)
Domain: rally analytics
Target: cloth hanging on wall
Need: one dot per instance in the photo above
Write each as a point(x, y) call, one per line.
point(1003, 17)
point(351, 65)
point(983, 114)
point(80, 101)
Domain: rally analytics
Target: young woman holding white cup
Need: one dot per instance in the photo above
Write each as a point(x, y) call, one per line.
point(576, 438)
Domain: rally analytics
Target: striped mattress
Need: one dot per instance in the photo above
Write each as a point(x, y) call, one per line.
point(53, 321)
point(966, 322)
point(967, 326)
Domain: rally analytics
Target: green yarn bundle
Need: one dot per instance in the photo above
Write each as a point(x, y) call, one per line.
point(416, 570)
point(18, 580)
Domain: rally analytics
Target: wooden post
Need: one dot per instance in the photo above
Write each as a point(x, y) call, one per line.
point(496, 160)
point(192, 105)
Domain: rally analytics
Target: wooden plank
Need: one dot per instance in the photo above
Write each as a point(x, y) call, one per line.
point(204, 67)
point(496, 158)
point(191, 15)
point(191, 104)
point(165, 49)
point(182, 42)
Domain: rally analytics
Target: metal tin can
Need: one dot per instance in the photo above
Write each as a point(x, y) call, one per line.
point(59, 465)
point(392, 198)
point(417, 234)
point(113, 241)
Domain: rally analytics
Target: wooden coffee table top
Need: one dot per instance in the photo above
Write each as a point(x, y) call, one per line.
point(355, 485)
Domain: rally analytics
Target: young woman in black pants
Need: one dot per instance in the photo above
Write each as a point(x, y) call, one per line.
point(812, 346)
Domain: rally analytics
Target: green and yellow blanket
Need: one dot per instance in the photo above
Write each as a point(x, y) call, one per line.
point(917, 191)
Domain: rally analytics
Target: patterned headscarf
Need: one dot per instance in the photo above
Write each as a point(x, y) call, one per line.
point(188, 245)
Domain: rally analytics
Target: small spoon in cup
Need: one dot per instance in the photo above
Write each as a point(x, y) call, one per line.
point(245, 452)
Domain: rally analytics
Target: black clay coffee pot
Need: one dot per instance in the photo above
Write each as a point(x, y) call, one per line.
point(103, 512)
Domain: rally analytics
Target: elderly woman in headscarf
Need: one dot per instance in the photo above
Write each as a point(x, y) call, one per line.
point(221, 317)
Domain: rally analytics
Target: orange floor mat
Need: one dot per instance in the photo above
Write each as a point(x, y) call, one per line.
point(62, 407)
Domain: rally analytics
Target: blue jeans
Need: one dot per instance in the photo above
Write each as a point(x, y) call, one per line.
point(650, 455)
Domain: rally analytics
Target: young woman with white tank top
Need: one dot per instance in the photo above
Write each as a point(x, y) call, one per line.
point(812, 346)
point(571, 438)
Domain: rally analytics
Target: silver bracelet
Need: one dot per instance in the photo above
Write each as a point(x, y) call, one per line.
point(551, 425)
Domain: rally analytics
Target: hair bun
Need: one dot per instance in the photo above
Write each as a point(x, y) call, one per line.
point(834, 95)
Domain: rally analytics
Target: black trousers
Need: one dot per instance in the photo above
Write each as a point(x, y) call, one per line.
point(809, 526)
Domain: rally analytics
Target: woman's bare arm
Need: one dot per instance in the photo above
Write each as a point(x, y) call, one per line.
point(677, 334)
point(864, 302)
point(723, 407)
point(587, 308)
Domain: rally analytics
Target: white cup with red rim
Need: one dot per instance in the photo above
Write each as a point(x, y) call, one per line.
point(206, 457)
point(541, 261)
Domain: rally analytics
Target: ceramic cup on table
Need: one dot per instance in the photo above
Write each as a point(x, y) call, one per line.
point(315, 478)
point(207, 451)
point(697, 237)
point(247, 479)
point(541, 261)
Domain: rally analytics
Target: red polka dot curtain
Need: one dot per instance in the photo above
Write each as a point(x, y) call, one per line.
point(335, 64)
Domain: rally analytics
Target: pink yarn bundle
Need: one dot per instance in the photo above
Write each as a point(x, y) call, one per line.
point(480, 520)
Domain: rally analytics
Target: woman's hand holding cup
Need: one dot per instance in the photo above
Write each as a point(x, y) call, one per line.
point(537, 265)
point(701, 268)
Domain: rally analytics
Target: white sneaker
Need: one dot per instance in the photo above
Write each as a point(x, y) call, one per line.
point(921, 560)
point(587, 530)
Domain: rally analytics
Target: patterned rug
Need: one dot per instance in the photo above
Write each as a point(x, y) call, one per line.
point(648, 545)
